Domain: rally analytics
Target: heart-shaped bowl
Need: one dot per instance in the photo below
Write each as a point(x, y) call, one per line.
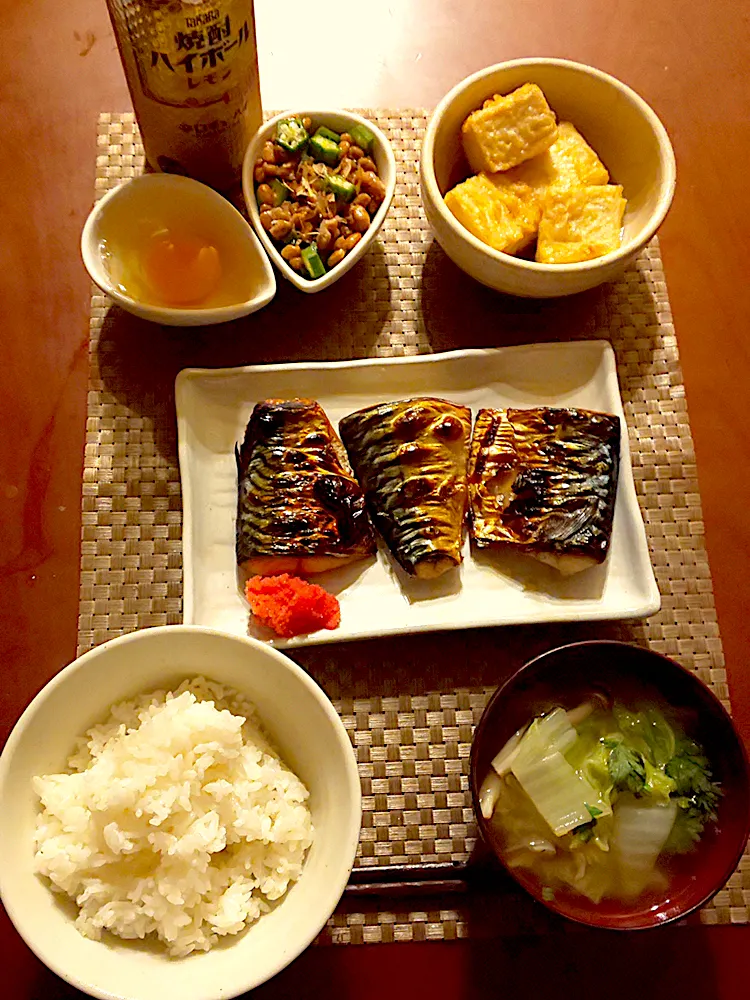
point(120, 230)
point(337, 121)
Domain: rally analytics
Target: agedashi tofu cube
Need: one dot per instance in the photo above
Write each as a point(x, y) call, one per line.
point(500, 213)
point(580, 223)
point(538, 174)
point(569, 162)
point(573, 161)
point(505, 131)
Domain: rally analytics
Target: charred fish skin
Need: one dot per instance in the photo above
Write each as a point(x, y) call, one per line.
point(299, 507)
point(410, 457)
point(545, 479)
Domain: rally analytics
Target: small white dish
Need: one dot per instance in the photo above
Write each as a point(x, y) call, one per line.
point(129, 215)
point(309, 736)
point(339, 121)
point(214, 405)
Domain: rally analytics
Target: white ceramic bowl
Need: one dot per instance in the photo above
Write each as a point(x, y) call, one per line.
point(134, 200)
point(310, 738)
point(616, 122)
point(382, 154)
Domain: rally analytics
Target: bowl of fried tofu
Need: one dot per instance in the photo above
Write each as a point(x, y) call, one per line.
point(545, 177)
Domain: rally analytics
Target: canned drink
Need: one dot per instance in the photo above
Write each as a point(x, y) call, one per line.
point(192, 71)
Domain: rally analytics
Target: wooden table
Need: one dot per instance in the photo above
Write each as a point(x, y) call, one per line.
point(60, 68)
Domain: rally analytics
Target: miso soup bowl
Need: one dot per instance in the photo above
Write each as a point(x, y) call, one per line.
point(565, 677)
point(619, 125)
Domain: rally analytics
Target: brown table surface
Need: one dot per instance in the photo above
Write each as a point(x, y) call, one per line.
point(59, 69)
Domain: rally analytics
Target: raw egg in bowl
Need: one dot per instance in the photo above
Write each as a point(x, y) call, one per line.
point(172, 250)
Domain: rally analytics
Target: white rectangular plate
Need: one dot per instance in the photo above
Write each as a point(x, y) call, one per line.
point(377, 598)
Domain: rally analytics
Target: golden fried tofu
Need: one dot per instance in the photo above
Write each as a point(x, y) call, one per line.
point(574, 162)
point(538, 174)
point(569, 162)
point(505, 131)
point(580, 223)
point(501, 213)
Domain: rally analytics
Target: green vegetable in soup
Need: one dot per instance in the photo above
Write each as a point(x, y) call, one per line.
point(547, 733)
point(691, 773)
point(561, 796)
point(642, 828)
point(597, 805)
point(565, 798)
point(586, 831)
point(696, 794)
point(625, 766)
point(658, 785)
point(648, 732)
point(686, 832)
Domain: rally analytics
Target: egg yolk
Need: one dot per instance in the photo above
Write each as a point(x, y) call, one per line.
point(181, 270)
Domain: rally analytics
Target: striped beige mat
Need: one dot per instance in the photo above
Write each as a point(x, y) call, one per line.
point(409, 703)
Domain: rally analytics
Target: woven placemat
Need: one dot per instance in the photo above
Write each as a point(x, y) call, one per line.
point(409, 703)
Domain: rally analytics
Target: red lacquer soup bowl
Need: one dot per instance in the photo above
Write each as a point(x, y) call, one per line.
point(565, 677)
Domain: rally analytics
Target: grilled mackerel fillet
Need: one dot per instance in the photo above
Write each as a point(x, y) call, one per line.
point(410, 457)
point(299, 509)
point(545, 481)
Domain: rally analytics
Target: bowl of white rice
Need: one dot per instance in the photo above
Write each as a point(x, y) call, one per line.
point(179, 816)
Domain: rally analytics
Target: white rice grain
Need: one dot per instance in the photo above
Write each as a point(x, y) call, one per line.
point(178, 819)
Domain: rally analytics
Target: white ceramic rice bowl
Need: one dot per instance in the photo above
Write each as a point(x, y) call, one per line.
point(310, 738)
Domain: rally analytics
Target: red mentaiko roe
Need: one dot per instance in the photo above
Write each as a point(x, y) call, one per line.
point(291, 606)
